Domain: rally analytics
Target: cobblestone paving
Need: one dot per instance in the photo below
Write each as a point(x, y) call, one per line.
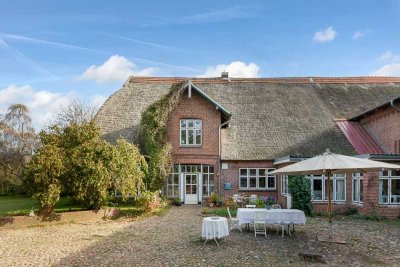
point(173, 240)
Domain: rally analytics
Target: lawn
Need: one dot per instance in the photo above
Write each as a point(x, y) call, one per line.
point(21, 205)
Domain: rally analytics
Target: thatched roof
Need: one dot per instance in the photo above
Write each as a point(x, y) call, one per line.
point(270, 118)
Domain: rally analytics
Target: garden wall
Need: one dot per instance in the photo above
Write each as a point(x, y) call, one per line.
point(16, 222)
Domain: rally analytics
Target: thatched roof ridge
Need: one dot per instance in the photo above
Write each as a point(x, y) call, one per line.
point(271, 117)
point(301, 80)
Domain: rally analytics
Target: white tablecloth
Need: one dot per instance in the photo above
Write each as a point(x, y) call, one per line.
point(272, 216)
point(214, 227)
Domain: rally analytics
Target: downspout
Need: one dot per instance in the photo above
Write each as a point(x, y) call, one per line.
point(393, 106)
point(219, 155)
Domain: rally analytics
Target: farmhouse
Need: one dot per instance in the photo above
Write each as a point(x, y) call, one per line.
point(228, 134)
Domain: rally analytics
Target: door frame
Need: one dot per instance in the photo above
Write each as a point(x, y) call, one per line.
point(195, 197)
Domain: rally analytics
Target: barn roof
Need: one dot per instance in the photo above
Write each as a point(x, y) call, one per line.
point(270, 117)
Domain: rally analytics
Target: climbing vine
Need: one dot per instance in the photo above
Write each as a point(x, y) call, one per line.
point(154, 133)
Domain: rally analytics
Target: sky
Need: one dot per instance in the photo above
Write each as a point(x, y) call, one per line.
point(54, 51)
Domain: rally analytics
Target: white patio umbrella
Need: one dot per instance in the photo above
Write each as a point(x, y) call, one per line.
point(329, 163)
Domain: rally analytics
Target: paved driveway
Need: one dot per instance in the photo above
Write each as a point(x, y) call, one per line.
point(173, 240)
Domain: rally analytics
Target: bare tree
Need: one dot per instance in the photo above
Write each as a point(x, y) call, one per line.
point(76, 112)
point(17, 142)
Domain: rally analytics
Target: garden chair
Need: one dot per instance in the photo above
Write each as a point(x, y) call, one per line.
point(253, 199)
point(233, 221)
point(260, 225)
point(285, 223)
point(250, 206)
point(237, 199)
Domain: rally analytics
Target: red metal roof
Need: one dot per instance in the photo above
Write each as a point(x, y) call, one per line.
point(359, 137)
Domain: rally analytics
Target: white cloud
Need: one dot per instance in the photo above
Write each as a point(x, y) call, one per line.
point(389, 56)
point(388, 70)
point(235, 69)
point(116, 68)
point(97, 100)
point(13, 93)
point(326, 35)
point(42, 104)
point(358, 35)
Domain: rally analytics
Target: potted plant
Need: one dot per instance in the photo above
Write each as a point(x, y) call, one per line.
point(269, 201)
point(214, 199)
point(178, 201)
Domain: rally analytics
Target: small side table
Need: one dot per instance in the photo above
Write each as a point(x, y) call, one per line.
point(213, 228)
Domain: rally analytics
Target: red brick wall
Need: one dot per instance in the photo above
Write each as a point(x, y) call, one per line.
point(384, 126)
point(231, 175)
point(195, 107)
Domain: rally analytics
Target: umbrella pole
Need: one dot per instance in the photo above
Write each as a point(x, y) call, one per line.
point(329, 173)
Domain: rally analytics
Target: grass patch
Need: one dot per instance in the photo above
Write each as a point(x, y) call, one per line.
point(219, 212)
point(22, 205)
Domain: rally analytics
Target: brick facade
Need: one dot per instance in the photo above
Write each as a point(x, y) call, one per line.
point(231, 175)
point(384, 126)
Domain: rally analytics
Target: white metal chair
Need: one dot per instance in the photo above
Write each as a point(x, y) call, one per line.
point(259, 220)
point(233, 221)
point(237, 199)
point(250, 206)
point(286, 222)
point(253, 199)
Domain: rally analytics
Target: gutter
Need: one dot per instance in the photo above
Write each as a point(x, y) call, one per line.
point(219, 155)
point(393, 106)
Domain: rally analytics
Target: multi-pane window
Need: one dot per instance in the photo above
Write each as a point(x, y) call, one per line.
point(256, 178)
point(357, 188)
point(389, 187)
point(208, 180)
point(173, 182)
point(190, 132)
point(284, 185)
point(319, 187)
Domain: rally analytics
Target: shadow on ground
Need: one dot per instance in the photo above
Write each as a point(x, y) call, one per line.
point(174, 240)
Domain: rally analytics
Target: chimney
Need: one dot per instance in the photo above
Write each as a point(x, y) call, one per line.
point(224, 75)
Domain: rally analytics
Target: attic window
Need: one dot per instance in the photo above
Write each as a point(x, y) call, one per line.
point(190, 132)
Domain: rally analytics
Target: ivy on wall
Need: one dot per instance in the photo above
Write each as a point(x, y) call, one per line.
point(154, 134)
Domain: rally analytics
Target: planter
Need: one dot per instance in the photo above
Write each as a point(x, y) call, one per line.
point(211, 204)
point(178, 204)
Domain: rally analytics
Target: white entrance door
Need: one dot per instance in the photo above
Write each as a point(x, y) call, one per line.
point(191, 188)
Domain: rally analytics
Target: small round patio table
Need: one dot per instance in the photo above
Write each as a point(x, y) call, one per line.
point(213, 228)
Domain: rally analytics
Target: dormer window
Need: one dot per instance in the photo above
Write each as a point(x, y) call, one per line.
point(190, 132)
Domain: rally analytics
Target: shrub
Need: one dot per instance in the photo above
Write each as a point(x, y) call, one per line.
point(300, 189)
point(149, 201)
point(215, 198)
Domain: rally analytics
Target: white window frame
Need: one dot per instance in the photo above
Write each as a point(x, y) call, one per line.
point(324, 197)
point(187, 129)
point(284, 185)
point(206, 179)
point(389, 177)
point(175, 171)
point(358, 179)
point(267, 176)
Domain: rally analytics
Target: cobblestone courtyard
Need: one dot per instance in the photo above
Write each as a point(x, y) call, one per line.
point(173, 240)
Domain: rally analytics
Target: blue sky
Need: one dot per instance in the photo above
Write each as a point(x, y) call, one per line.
point(53, 51)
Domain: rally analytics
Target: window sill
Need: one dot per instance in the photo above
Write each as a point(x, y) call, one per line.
point(389, 205)
point(326, 201)
point(256, 189)
point(191, 146)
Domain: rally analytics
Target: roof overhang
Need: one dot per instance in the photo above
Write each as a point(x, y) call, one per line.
point(288, 159)
point(380, 157)
point(226, 115)
point(390, 103)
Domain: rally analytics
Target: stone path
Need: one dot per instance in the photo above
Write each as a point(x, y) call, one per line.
point(173, 240)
